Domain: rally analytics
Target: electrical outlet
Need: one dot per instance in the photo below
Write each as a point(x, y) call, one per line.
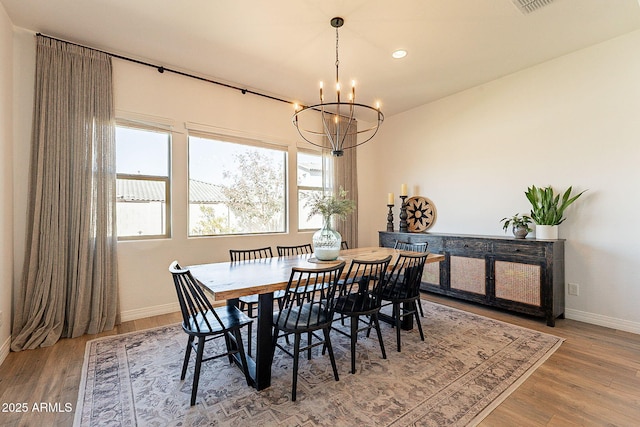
point(574, 289)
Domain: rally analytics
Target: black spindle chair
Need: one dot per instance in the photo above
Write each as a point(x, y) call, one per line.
point(359, 300)
point(401, 290)
point(298, 316)
point(250, 302)
point(202, 321)
point(414, 247)
point(344, 245)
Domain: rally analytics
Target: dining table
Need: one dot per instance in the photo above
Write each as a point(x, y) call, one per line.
point(227, 281)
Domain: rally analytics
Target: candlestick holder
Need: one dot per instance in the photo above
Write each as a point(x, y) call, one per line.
point(403, 215)
point(390, 218)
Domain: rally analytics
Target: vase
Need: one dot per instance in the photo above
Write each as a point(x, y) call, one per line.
point(520, 232)
point(546, 232)
point(326, 242)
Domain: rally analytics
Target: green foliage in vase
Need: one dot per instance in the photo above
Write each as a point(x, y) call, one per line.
point(546, 207)
point(329, 205)
point(516, 221)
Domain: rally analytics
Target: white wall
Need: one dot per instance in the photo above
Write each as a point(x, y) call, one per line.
point(6, 180)
point(570, 121)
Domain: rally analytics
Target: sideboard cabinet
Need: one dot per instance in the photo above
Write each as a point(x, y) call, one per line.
point(521, 275)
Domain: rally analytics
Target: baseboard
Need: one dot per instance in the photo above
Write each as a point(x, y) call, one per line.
point(156, 310)
point(600, 320)
point(4, 350)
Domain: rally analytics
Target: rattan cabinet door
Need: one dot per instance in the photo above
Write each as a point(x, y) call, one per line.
point(519, 282)
point(468, 274)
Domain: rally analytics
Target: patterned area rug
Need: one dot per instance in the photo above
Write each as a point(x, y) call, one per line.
point(465, 367)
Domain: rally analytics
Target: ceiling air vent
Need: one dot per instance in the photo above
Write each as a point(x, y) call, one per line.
point(528, 6)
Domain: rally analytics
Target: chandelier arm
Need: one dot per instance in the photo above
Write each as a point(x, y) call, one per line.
point(347, 133)
point(327, 133)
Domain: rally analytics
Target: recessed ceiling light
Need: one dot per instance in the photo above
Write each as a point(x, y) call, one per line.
point(400, 53)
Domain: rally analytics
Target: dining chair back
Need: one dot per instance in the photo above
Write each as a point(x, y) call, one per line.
point(294, 250)
point(344, 245)
point(414, 247)
point(248, 254)
point(401, 290)
point(359, 300)
point(305, 316)
point(202, 321)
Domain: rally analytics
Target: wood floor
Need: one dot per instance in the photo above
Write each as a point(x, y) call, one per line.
point(592, 380)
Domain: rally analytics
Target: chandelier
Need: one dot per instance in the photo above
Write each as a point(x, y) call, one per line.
point(338, 124)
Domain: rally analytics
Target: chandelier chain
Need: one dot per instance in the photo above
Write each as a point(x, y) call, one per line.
point(337, 60)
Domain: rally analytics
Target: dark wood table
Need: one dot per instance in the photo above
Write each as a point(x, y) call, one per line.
point(231, 280)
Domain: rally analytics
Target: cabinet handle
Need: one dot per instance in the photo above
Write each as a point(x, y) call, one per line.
point(516, 250)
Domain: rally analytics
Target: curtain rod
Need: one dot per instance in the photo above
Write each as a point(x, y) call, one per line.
point(161, 69)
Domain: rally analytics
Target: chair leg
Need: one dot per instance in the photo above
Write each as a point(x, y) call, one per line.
point(327, 340)
point(187, 353)
point(415, 312)
point(397, 321)
point(250, 314)
point(276, 331)
point(249, 339)
point(227, 342)
point(243, 357)
point(376, 323)
point(296, 354)
point(420, 308)
point(196, 372)
point(354, 340)
point(309, 341)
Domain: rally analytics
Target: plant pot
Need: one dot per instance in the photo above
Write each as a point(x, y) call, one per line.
point(520, 232)
point(326, 242)
point(546, 232)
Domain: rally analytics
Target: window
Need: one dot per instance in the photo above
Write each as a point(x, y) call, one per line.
point(142, 185)
point(236, 187)
point(310, 180)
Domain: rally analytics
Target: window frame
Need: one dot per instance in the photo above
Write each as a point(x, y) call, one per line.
point(124, 123)
point(299, 188)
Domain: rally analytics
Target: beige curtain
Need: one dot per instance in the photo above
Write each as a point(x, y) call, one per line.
point(343, 172)
point(69, 285)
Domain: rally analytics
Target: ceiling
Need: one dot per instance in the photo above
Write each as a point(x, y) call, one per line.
point(285, 47)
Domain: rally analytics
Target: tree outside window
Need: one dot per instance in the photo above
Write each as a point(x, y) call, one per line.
point(235, 188)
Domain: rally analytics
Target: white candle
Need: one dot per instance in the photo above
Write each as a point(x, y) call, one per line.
point(391, 199)
point(403, 190)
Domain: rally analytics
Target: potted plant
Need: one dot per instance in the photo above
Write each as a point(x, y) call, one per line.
point(519, 224)
point(547, 209)
point(326, 241)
